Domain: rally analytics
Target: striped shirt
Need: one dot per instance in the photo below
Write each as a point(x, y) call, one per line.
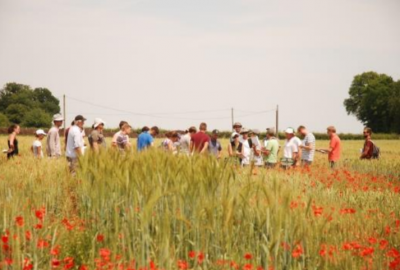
point(309, 140)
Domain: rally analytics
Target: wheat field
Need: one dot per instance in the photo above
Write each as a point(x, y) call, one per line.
point(159, 211)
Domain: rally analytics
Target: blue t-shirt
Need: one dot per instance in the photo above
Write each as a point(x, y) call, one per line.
point(144, 141)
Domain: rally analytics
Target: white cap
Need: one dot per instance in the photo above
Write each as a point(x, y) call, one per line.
point(97, 122)
point(58, 117)
point(40, 132)
point(289, 131)
point(234, 134)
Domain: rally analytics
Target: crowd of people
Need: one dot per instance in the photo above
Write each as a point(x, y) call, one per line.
point(245, 147)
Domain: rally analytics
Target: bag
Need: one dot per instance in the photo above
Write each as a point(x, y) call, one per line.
point(376, 151)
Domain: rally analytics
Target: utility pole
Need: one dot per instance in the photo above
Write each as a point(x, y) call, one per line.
point(277, 121)
point(64, 113)
point(233, 120)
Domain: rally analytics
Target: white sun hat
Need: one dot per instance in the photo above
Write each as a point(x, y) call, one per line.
point(58, 117)
point(289, 131)
point(97, 122)
point(40, 132)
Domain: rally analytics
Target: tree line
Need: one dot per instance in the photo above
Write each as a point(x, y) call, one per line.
point(20, 104)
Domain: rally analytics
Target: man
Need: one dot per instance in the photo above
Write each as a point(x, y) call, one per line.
point(247, 145)
point(368, 149)
point(53, 137)
point(291, 152)
point(270, 152)
point(200, 140)
point(75, 143)
point(184, 142)
point(116, 135)
point(334, 147)
point(256, 147)
point(307, 146)
point(214, 147)
point(146, 138)
point(237, 128)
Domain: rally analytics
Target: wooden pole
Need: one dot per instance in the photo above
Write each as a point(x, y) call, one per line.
point(64, 113)
point(233, 120)
point(277, 121)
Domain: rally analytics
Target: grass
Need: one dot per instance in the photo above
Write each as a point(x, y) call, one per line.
point(159, 211)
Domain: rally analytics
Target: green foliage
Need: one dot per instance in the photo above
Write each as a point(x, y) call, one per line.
point(26, 106)
point(37, 118)
point(4, 122)
point(370, 94)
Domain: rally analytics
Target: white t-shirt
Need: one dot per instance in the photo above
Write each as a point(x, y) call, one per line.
point(115, 138)
point(291, 146)
point(246, 150)
point(75, 140)
point(35, 146)
point(184, 144)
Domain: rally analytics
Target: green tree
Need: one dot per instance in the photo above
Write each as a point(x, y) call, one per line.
point(369, 98)
point(18, 101)
point(37, 118)
point(16, 112)
point(4, 122)
point(394, 107)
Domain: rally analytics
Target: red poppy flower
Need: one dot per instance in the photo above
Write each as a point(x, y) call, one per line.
point(55, 263)
point(40, 213)
point(192, 254)
point(297, 251)
point(100, 238)
point(28, 235)
point(200, 258)
point(4, 239)
point(42, 243)
point(183, 265)
point(248, 266)
point(248, 256)
point(19, 221)
point(55, 251)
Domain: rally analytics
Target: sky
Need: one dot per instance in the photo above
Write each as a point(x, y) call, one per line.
point(176, 63)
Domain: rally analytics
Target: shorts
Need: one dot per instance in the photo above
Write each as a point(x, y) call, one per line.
point(306, 163)
point(72, 165)
point(333, 164)
point(270, 165)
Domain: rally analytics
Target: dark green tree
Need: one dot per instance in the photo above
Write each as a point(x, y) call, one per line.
point(394, 107)
point(369, 98)
point(17, 101)
point(4, 122)
point(37, 118)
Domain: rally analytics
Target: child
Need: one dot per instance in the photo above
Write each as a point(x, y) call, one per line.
point(37, 144)
point(123, 137)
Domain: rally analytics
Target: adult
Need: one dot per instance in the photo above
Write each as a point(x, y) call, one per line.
point(167, 141)
point(270, 151)
point(200, 140)
point(368, 149)
point(66, 132)
point(13, 149)
point(334, 150)
point(96, 137)
point(36, 148)
point(75, 143)
point(146, 138)
point(246, 147)
point(235, 149)
point(237, 128)
point(169, 144)
point(116, 135)
point(122, 141)
point(53, 144)
point(291, 151)
point(307, 146)
point(256, 148)
point(214, 146)
point(184, 142)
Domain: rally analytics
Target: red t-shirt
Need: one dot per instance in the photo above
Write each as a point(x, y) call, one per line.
point(368, 144)
point(199, 139)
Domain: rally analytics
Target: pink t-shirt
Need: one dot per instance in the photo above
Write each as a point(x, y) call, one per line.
point(335, 144)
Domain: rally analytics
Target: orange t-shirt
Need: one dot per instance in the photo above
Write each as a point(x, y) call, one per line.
point(334, 155)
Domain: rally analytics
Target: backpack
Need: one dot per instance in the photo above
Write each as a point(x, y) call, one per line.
point(250, 143)
point(376, 151)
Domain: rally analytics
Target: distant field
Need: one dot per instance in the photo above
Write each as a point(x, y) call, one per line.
point(158, 211)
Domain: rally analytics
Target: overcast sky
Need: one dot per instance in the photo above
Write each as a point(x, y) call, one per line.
point(200, 58)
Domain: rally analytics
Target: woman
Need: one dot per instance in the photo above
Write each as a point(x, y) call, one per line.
point(167, 141)
point(96, 137)
point(246, 148)
point(13, 150)
point(37, 148)
point(235, 149)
